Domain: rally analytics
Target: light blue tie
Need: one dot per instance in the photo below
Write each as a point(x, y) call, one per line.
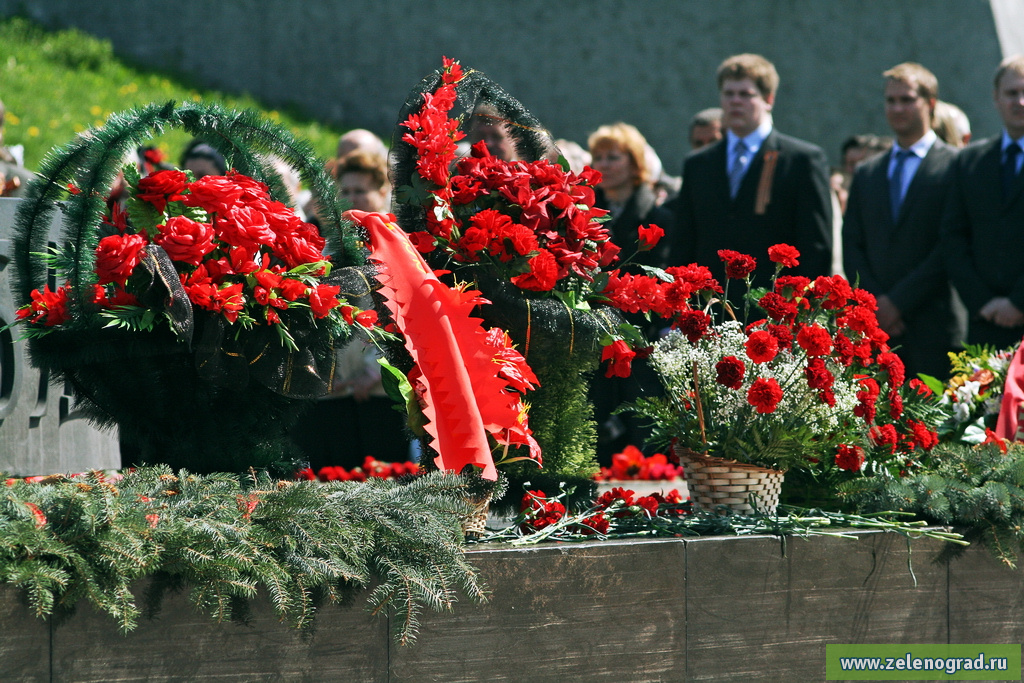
point(740, 159)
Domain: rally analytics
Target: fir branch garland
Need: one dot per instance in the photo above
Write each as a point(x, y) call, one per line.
point(977, 489)
point(226, 538)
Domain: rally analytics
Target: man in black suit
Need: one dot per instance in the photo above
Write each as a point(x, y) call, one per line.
point(891, 228)
point(983, 229)
point(755, 187)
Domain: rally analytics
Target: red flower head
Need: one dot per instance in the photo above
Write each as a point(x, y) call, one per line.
point(764, 394)
point(778, 307)
point(162, 187)
point(185, 240)
point(543, 273)
point(649, 236)
point(693, 324)
point(737, 266)
point(815, 340)
point(849, 458)
point(884, 435)
point(48, 308)
point(117, 256)
point(214, 193)
point(784, 255)
point(620, 357)
point(761, 346)
point(730, 372)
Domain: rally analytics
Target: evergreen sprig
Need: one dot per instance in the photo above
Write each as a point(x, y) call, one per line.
point(979, 489)
point(227, 538)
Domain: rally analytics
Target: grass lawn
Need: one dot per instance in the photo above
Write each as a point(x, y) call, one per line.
point(58, 84)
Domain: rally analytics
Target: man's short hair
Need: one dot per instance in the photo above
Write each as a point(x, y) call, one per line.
point(1014, 63)
point(706, 117)
point(755, 67)
point(912, 73)
point(624, 137)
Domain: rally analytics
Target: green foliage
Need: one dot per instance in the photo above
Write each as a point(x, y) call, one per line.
point(226, 538)
point(58, 84)
point(978, 488)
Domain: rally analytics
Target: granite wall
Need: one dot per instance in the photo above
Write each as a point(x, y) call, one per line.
point(575, 64)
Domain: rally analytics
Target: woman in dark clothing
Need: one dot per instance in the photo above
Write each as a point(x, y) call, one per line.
point(625, 190)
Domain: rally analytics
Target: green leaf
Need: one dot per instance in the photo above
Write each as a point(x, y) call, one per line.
point(658, 273)
point(932, 383)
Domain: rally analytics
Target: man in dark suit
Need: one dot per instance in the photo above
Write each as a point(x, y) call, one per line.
point(983, 229)
point(755, 187)
point(891, 228)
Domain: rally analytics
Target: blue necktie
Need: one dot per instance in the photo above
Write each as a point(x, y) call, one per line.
point(896, 183)
point(738, 168)
point(1010, 167)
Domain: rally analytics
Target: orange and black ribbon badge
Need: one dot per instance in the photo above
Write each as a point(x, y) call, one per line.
point(764, 185)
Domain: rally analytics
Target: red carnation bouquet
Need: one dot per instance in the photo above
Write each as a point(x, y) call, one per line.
point(219, 244)
point(809, 383)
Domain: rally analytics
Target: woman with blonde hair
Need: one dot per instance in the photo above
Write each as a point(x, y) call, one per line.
point(618, 151)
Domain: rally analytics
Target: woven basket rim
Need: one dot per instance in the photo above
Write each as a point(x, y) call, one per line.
point(706, 460)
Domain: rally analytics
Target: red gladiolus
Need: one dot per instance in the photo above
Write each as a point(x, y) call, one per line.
point(323, 298)
point(367, 318)
point(764, 394)
point(737, 266)
point(785, 255)
point(620, 358)
point(761, 346)
point(730, 372)
point(850, 458)
point(49, 308)
point(649, 236)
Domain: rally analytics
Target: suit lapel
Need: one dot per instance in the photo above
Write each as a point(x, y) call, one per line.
point(877, 181)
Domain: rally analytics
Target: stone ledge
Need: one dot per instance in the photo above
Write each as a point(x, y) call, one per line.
point(720, 608)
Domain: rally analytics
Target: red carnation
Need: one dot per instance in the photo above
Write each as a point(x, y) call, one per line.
point(777, 307)
point(737, 266)
point(761, 346)
point(543, 273)
point(693, 324)
point(764, 394)
point(785, 255)
point(849, 458)
point(814, 339)
point(730, 372)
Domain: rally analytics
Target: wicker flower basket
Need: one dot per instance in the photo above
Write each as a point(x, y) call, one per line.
point(715, 482)
point(474, 525)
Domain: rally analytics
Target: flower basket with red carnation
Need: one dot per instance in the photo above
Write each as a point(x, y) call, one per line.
point(810, 386)
point(199, 318)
